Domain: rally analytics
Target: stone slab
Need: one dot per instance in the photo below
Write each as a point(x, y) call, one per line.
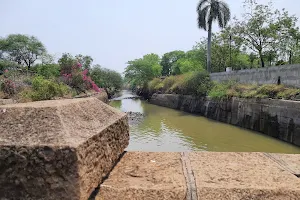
point(145, 176)
point(58, 149)
point(218, 176)
point(242, 176)
point(289, 162)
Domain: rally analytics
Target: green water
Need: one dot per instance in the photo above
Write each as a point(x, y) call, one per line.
point(165, 129)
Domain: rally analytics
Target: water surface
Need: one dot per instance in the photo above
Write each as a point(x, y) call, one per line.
point(165, 129)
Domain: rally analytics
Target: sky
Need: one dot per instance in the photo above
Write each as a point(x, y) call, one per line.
point(113, 32)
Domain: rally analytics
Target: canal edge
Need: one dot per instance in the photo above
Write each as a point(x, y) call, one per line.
point(191, 192)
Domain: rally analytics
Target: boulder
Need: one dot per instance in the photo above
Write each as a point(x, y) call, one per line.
point(60, 149)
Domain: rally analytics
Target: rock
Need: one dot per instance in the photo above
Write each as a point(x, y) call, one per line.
point(7, 101)
point(58, 149)
point(134, 118)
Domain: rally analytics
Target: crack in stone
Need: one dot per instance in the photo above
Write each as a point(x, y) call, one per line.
point(189, 177)
point(282, 164)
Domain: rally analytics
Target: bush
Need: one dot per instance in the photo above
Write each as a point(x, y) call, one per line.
point(270, 90)
point(224, 90)
point(153, 85)
point(168, 82)
point(288, 93)
point(197, 83)
point(178, 86)
point(8, 87)
point(219, 91)
point(48, 70)
point(43, 89)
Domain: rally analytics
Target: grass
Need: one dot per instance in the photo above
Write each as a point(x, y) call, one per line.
point(229, 90)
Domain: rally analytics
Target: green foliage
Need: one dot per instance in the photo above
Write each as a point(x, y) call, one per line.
point(22, 49)
point(85, 61)
point(270, 90)
point(197, 83)
point(106, 78)
point(168, 83)
point(47, 70)
point(66, 62)
point(6, 64)
point(43, 89)
point(232, 89)
point(288, 93)
point(186, 65)
point(219, 91)
point(168, 62)
point(267, 32)
point(140, 71)
point(153, 85)
point(208, 12)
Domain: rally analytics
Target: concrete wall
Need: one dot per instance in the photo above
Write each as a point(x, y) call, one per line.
point(289, 75)
point(276, 118)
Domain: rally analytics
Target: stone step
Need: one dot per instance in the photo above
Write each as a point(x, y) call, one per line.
point(203, 175)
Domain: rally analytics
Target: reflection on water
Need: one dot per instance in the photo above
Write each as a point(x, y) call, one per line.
point(166, 129)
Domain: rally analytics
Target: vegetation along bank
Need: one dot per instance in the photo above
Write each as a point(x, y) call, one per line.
point(29, 73)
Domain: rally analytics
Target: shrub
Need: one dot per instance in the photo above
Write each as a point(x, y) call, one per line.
point(270, 90)
point(196, 83)
point(288, 93)
point(168, 83)
point(48, 70)
point(8, 87)
point(43, 89)
point(219, 91)
point(178, 86)
point(153, 85)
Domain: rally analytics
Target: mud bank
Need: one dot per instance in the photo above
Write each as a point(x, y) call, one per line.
point(276, 118)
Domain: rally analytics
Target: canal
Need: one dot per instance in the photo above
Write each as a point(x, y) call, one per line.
point(164, 129)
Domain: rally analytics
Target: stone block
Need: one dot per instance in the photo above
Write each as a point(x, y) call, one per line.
point(58, 149)
point(242, 176)
point(145, 176)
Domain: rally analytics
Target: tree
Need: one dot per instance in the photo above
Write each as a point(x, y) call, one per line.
point(22, 49)
point(140, 71)
point(85, 61)
point(168, 62)
point(265, 31)
point(208, 12)
point(108, 79)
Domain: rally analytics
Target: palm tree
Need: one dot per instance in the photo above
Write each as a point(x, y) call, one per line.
point(208, 12)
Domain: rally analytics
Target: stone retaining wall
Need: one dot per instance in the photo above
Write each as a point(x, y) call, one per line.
point(276, 118)
point(288, 75)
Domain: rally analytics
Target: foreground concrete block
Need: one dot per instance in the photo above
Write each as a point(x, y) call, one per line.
point(58, 149)
point(145, 176)
point(242, 176)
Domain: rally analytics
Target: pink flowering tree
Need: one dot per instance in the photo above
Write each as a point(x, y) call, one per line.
point(76, 77)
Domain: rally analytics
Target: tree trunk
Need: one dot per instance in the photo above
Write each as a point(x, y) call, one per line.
point(209, 48)
point(290, 58)
point(261, 59)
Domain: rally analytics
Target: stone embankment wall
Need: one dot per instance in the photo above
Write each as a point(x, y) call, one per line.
point(277, 118)
point(288, 75)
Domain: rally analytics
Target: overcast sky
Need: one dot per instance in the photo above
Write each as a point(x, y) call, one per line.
point(112, 31)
